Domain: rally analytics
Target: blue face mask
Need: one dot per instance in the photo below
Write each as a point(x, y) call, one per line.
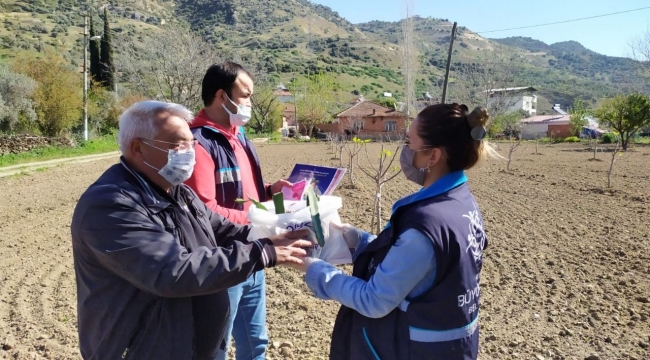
point(406, 162)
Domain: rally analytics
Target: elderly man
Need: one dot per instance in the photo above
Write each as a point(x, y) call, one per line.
point(151, 278)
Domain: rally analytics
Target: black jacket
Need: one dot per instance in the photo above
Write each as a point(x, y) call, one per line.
point(148, 285)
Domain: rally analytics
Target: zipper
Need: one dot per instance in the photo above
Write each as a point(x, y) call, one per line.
point(200, 217)
point(134, 340)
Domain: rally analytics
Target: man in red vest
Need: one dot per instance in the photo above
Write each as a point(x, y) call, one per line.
point(228, 168)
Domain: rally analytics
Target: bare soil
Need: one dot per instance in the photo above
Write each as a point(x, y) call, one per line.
point(566, 276)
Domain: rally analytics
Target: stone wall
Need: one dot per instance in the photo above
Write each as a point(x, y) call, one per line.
point(23, 143)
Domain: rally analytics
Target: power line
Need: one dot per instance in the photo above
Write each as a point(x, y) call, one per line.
point(566, 21)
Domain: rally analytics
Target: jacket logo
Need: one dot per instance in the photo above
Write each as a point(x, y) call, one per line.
point(476, 238)
point(372, 267)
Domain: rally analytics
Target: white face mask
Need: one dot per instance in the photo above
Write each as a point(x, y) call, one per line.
point(242, 116)
point(179, 167)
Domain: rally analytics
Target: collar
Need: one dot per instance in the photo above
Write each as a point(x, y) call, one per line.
point(441, 186)
point(152, 199)
point(202, 121)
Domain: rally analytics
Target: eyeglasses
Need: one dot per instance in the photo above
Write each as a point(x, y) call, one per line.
point(179, 146)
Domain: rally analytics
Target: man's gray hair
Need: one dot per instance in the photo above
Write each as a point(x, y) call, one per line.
point(139, 120)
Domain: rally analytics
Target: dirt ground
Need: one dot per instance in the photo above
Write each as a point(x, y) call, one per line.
point(566, 276)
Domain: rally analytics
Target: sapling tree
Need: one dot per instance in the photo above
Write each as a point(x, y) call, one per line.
point(616, 153)
point(514, 144)
point(353, 148)
point(340, 145)
point(380, 175)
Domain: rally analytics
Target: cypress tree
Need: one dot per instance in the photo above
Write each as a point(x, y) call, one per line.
point(94, 53)
point(107, 69)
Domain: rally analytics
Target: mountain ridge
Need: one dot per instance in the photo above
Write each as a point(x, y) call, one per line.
point(292, 37)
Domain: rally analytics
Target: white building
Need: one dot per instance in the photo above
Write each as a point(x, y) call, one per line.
point(513, 99)
point(541, 126)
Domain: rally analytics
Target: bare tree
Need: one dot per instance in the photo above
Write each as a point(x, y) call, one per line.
point(482, 83)
point(640, 50)
point(514, 144)
point(353, 148)
point(611, 164)
point(640, 47)
point(168, 65)
point(340, 146)
point(409, 59)
point(379, 174)
point(266, 107)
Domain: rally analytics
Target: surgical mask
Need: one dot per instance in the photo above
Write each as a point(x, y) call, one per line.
point(180, 164)
point(406, 162)
point(242, 116)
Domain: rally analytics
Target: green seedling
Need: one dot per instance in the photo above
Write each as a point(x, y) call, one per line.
point(255, 202)
point(278, 201)
point(312, 202)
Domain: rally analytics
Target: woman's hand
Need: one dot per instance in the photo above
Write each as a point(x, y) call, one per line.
point(302, 267)
point(351, 235)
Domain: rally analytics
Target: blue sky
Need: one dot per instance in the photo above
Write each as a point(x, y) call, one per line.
point(607, 35)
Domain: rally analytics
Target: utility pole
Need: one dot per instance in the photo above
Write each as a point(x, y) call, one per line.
point(451, 47)
point(85, 71)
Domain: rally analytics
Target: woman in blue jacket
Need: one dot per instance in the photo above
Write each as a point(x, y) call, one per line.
point(414, 291)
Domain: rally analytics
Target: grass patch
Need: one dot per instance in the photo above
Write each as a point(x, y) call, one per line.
point(644, 140)
point(106, 143)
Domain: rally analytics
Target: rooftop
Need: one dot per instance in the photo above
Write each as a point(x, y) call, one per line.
point(512, 89)
point(366, 108)
point(547, 119)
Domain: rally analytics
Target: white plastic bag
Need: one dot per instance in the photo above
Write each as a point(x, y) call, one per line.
point(268, 223)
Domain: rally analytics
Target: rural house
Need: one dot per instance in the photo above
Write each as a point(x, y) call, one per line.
point(553, 126)
point(367, 119)
point(283, 94)
point(513, 99)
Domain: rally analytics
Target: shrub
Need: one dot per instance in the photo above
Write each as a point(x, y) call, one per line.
point(608, 138)
point(57, 98)
point(572, 139)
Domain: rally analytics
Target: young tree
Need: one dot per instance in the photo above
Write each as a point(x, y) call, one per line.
point(316, 98)
point(514, 145)
point(57, 99)
point(353, 148)
point(95, 73)
point(107, 67)
point(340, 146)
point(16, 91)
point(509, 124)
point(579, 115)
point(168, 65)
point(625, 114)
point(615, 152)
point(379, 174)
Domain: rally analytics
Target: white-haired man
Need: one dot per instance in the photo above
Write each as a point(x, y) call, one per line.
point(150, 276)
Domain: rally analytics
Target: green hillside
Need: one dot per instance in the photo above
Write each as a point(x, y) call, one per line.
point(290, 37)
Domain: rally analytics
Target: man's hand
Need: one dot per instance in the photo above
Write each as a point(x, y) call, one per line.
point(288, 247)
point(292, 238)
point(277, 187)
